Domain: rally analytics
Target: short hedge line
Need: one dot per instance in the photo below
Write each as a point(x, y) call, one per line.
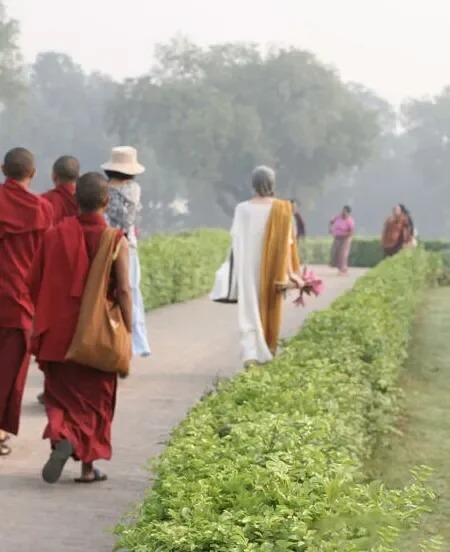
point(365, 252)
point(181, 267)
point(273, 461)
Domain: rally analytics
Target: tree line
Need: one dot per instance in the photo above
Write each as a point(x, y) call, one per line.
point(203, 117)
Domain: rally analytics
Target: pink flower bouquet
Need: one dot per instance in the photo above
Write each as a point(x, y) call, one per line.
point(313, 286)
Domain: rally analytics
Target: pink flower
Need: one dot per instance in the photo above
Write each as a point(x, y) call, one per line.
point(313, 286)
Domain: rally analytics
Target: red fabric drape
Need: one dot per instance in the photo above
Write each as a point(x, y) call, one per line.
point(62, 199)
point(79, 401)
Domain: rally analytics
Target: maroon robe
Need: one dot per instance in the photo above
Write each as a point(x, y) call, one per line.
point(79, 400)
point(62, 199)
point(24, 217)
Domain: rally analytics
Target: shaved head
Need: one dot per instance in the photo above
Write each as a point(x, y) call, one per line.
point(66, 169)
point(92, 192)
point(19, 164)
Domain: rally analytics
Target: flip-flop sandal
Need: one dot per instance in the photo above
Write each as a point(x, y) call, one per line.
point(5, 438)
point(98, 477)
point(53, 469)
point(4, 450)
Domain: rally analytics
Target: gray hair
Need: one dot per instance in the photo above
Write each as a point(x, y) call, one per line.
point(263, 181)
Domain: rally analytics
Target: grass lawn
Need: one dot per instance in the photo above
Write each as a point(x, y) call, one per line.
point(425, 421)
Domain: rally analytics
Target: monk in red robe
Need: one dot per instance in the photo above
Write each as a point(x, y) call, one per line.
point(79, 400)
point(65, 173)
point(24, 217)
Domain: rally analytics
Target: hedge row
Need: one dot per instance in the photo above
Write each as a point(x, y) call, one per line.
point(365, 252)
point(273, 460)
point(182, 267)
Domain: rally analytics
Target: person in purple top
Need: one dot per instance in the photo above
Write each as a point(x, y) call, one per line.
point(341, 228)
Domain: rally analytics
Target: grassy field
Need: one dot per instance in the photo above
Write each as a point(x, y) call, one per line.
point(424, 426)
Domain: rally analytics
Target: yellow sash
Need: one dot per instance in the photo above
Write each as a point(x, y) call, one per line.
point(274, 268)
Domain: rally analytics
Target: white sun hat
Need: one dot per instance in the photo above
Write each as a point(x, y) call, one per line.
point(124, 160)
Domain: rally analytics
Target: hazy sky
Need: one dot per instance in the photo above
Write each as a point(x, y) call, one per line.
point(397, 47)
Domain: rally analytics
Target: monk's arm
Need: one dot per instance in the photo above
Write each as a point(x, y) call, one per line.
point(124, 297)
point(34, 278)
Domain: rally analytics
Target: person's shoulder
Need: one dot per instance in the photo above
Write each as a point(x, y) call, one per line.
point(46, 207)
point(243, 208)
point(134, 190)
point(48, 194)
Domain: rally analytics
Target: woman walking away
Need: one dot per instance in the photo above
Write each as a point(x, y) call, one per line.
point(396, 232)
point(341, 228)
point(123, 208)
point(264, 260)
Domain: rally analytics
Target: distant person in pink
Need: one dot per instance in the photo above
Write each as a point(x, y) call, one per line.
point(341, 228)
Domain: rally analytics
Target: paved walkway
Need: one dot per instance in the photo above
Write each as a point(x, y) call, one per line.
point(193, 345)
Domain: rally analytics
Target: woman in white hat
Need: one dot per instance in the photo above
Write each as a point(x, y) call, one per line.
point(124, 206)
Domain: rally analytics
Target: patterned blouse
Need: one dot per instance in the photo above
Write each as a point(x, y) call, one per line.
point(123, 208)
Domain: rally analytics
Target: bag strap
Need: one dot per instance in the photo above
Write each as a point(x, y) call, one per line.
point(98, 278)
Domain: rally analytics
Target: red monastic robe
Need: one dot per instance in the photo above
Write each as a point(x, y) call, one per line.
point(24, 217)
point(62, 199)
point(79, 400)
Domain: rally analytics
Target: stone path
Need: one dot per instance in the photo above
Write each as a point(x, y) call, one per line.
point(193, 345)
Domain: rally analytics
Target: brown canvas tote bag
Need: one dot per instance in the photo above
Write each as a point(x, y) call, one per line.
point(101, 340)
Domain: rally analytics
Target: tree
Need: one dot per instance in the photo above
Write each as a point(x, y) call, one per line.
point(213, 114)
point(10, 59)
point(63, 113)
point(427, 126)
point(427, 123)
point(386, 114)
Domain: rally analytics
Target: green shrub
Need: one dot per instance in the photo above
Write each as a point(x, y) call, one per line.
point(437, 245)
point(273, 461)
point(180, 267)
point(365, 252)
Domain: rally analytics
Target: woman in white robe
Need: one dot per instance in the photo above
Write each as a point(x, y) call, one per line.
point(248, 234)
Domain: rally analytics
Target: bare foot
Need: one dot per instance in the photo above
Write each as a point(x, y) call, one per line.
point(89, 474)
point(4, 450)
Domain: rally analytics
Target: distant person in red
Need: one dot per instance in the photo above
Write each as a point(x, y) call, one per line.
point(24, 217)
point(79, 400)
point(66, 171)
